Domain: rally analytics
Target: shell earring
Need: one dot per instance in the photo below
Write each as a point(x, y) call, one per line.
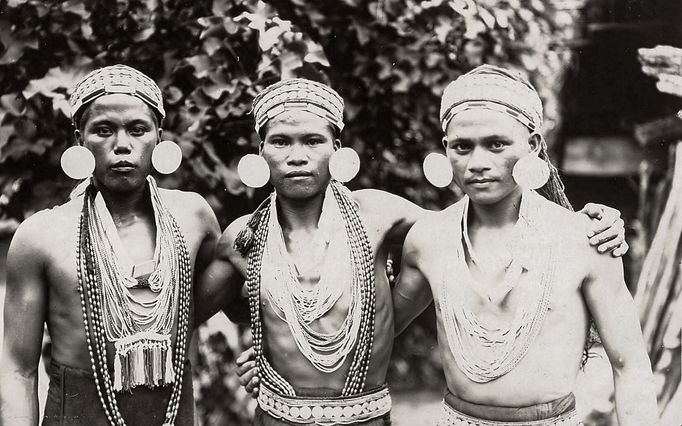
point(344, 164)
point(77, 162)
point(253, 170)
point(437, 170)
point(166, 157)
point(531, 172)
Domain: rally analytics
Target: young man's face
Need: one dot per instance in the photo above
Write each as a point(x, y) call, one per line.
point(297, 146)
point(121, 131)
point(483, 146)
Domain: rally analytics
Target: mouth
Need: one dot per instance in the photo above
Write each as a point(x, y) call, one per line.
point(123, 166)
point(298, 174)
point(479, 181)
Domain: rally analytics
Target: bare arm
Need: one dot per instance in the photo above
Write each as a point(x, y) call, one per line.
point(24, 317)
point(412, 293)
point(616, 318)
point(220, 283)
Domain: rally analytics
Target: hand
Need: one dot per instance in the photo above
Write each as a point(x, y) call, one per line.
point(608, 229)
point(248, 372)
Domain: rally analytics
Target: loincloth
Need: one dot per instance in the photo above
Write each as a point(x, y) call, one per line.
point(72, 399)
point(320, 407)
point(560, 412)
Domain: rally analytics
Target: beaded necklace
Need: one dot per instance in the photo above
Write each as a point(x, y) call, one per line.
point(143, 349)
point(298, 306)
point(363, 295)
point(486, 351)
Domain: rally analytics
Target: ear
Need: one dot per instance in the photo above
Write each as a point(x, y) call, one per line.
point(78, 136)
point(535, 141)
point(260, 148)
point(337, 144)
point(444, 141)
point(160, 134)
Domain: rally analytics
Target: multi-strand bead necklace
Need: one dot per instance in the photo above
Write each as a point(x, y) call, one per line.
point(363, 297)
point(486, 351)
point(142, 340)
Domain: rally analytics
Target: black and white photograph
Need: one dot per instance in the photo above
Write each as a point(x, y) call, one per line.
point(340, 212)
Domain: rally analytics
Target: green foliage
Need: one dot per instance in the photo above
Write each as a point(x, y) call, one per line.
point(389, 59)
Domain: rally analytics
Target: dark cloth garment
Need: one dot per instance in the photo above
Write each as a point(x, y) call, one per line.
point(263, 418)
point(72, 400)
point(530, 413)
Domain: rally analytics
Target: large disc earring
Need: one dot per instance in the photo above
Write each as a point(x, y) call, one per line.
point(344, 164)
point(253, 170)
point(531, 172)
point(78, 162)
point(437, 170)
point(166, 157)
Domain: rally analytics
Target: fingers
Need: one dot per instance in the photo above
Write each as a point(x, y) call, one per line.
point(243, 369)
point(245, 356)
point(621, 250)
point(610, 238)
point(592, 210)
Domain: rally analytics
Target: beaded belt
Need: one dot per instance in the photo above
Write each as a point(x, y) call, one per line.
point(323, 411)
point(452, 417)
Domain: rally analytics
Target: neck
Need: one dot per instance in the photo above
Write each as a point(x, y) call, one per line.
point(502, 213)
point(126, 207)
point(300, 214)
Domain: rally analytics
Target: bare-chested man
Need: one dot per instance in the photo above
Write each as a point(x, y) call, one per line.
point(514, 279)
point(314, 257)
point(119, 258)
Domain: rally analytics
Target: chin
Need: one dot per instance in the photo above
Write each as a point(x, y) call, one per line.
point(484, 198)
point(300, 191)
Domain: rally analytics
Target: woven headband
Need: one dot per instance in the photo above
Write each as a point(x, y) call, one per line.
point(298, 94)
point(496, 89)
point(115, 79)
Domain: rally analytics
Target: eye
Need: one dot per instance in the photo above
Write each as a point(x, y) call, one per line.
point(278, 142)
point(138, 130)
point(103, 131)
point(460, 147)
point(497, 145)
point(315, 141)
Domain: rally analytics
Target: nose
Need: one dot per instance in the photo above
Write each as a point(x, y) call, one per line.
point(478, 160)
point(298, 155)
point(123, 142)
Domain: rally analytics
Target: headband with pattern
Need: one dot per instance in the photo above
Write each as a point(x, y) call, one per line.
point(496, 89)
point(115, 79)
point(298, 94)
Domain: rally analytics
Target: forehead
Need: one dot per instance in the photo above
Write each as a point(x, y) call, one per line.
point(480, 123)
point(119, 106)
point(291, 123)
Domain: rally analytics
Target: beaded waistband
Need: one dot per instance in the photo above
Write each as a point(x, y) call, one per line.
point(325, 411)
point(451, 417)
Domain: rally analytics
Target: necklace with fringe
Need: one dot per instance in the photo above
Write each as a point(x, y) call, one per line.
point(140, 330)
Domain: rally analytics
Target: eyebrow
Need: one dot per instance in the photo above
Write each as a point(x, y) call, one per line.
point(487, 139)
point(289, 136)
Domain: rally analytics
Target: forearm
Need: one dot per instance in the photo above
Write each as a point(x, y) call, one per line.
point(635, 395)
point(18, 400)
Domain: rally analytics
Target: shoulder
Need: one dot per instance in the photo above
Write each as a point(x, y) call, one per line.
point(430, 233)
point(389, 207)
point(188, 203)
point(37, 235)
point(226, 247)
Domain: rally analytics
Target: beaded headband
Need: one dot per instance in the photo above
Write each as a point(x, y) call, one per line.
point(298, 94)
point(115, 79)
point(493, 88)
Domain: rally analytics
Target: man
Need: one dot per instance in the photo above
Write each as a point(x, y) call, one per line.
point(313, 256)
point(514, 281)
point(110, 273)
